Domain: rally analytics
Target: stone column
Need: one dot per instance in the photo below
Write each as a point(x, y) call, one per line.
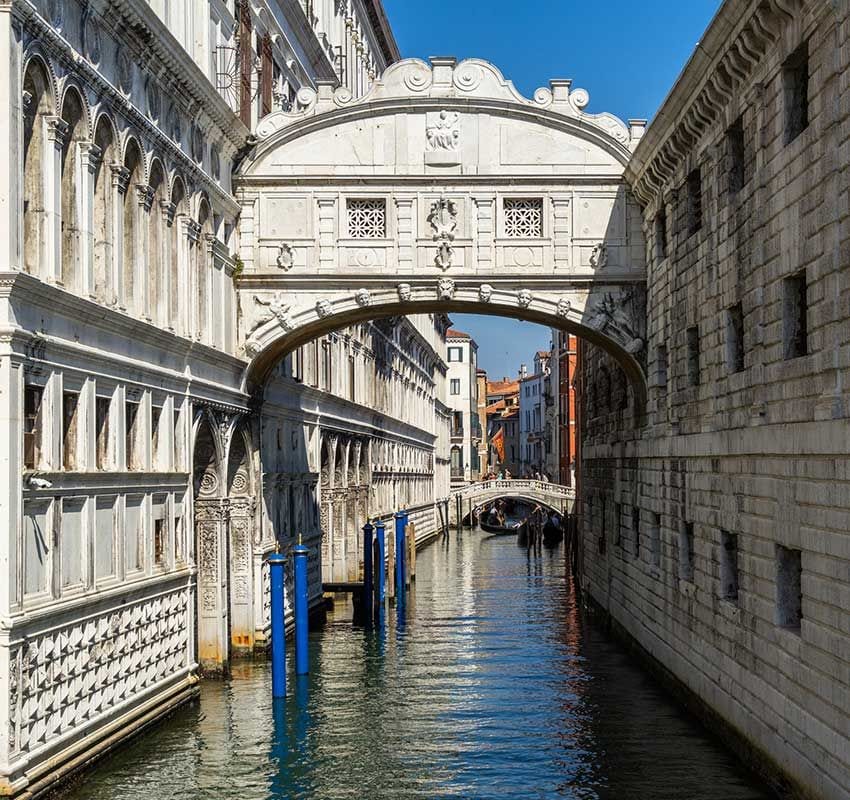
point(120, 183)
point(188, 253)
point(89, 160)
point(144, 195)
point(209, 311)
point(485, 227)
point(167, 209)
point(327, 233)
point(213, 646)
point(561, 231)
point(241, 527)
point(55, 136)
point(405, 234)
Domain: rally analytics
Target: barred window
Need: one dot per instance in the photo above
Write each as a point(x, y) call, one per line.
point(524, 218)
point(367, 219)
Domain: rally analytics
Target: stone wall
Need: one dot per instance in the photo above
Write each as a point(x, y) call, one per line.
point(716, 519)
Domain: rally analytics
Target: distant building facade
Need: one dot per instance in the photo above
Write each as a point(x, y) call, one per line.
point(462, 400)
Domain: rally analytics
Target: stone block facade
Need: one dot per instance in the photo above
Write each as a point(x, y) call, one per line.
point(716, 518)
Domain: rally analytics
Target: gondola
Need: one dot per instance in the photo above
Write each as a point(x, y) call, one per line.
point(511, 529)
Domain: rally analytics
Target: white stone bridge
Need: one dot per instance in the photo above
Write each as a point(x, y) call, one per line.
point(551, 495)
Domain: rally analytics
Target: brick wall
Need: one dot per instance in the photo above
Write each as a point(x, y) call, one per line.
point(740, 468)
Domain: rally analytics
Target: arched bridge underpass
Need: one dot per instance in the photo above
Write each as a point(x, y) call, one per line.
point(552, 495)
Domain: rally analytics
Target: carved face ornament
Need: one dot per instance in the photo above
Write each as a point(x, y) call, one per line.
point(485, 292)
point(446, 289)
point(363, 297)
point(405, 292)
point(323, 308)
point(524, 298)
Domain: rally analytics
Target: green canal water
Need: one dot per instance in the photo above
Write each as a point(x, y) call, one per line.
point(493, 685)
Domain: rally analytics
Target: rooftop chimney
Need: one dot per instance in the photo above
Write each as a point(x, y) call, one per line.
point(523, 372)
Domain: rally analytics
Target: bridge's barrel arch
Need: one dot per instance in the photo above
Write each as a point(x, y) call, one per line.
point(553, 496)
point(441, 190)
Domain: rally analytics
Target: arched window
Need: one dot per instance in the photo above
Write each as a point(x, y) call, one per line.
point(133, 165)
point(202, 272)
point(37, 105)
point(104, 214)
point(178, 200)
point(156, 247)
point(73, 117)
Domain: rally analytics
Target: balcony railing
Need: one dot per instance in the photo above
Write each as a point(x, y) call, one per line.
point(457, 431)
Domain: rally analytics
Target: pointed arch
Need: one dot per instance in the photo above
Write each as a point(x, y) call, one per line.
point(38, 96)
point(106, 140)
point(134, 175)
point(157, 258)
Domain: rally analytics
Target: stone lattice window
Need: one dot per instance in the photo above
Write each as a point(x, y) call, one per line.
point(367, 219)
point(523, 218)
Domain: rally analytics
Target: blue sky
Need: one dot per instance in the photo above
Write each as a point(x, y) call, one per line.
point(627, 55)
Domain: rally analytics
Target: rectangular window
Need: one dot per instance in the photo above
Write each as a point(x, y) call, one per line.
point(327, 375)
point(156, 421)
point(455, 386)
point(735, 338)
point(455, 354)
point(131, 418)
point(104, 538)
point(32, 426)
point(101, 424)
point(661, 235)
point(655, 541)
point(36, 546)
point(794, 316)
point(735, 156)
point(352, 378)
point(159, 517)
point(457, 423)
point(795, 81)
point(70, 404)
point(179, 534)
point(367, 219)
point(523, 218)
point(729, 566)
point(686, 551)
point(694, 183)
point(636, 530)
point(693, 355)
point(661, 366)
point(789, 597)
point(134, 538)
point(72, 549)
point(618, 533)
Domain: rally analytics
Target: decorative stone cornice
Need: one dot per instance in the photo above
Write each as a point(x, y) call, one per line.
point(724, 62)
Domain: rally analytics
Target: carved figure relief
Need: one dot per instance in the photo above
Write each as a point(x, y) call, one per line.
point(444, 134)
point(445, 254)
point(599, 255)
point(277, 310)
point(485, 292)
point(443, 219)
point(625, 313)
point(564, 307)
point(446, 289)
point(285, 257)
point(524, 298)
point(323, 308)
point(405, 292)
point(363, 297)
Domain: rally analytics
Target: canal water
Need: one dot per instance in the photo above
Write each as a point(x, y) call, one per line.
point(492, 685)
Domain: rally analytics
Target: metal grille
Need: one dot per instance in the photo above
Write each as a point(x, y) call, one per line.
point(524, 218)
point(367, 219)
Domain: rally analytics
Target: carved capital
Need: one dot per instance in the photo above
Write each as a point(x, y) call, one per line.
point(192, 230)
point(120, 177)
point(90, 156)
point(209, 241)
point(56, 130)
point(168, 210)
point(145, 195)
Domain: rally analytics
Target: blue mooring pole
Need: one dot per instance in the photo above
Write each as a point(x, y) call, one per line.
point(381, 577)
point(302, 655)
point(277, 564)
point(400, 547)
point(406, 565)
point(368, 598)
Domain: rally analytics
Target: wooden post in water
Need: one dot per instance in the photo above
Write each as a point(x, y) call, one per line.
point(411, 553)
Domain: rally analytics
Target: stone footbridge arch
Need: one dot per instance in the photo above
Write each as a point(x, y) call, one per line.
point(551, 495)
point(441, 190)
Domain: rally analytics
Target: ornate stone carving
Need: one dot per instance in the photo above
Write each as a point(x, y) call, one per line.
point(445, 255)
point(405, 292)
point(277, 310)
point(524, 298)
point(485, 292)
point(444, 133)
point(363, 297)
point(599, 255)
point(252, 348)
point(446, 289)
point(443, 219)
point(285, 257)
point(564, 307)
point(625, 313)
point(323, 308)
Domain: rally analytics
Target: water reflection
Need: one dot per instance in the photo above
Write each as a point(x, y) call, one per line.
point(489, 683)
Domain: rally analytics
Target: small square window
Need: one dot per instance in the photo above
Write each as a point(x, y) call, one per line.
point(523, 218)
point(367, 219)
point(456, 354)
point(694, 184)
point(455, 386)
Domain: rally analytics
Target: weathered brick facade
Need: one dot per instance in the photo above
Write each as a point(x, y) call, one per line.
point(739, 466)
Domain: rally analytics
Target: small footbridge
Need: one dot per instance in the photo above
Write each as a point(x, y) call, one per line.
point(474, 495)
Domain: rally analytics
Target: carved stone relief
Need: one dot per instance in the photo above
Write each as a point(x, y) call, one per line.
point(405, 292)
point(443, 133)
point(446, 289)
point(285, 257)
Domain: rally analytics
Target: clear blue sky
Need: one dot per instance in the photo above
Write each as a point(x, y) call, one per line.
point(627, 55)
